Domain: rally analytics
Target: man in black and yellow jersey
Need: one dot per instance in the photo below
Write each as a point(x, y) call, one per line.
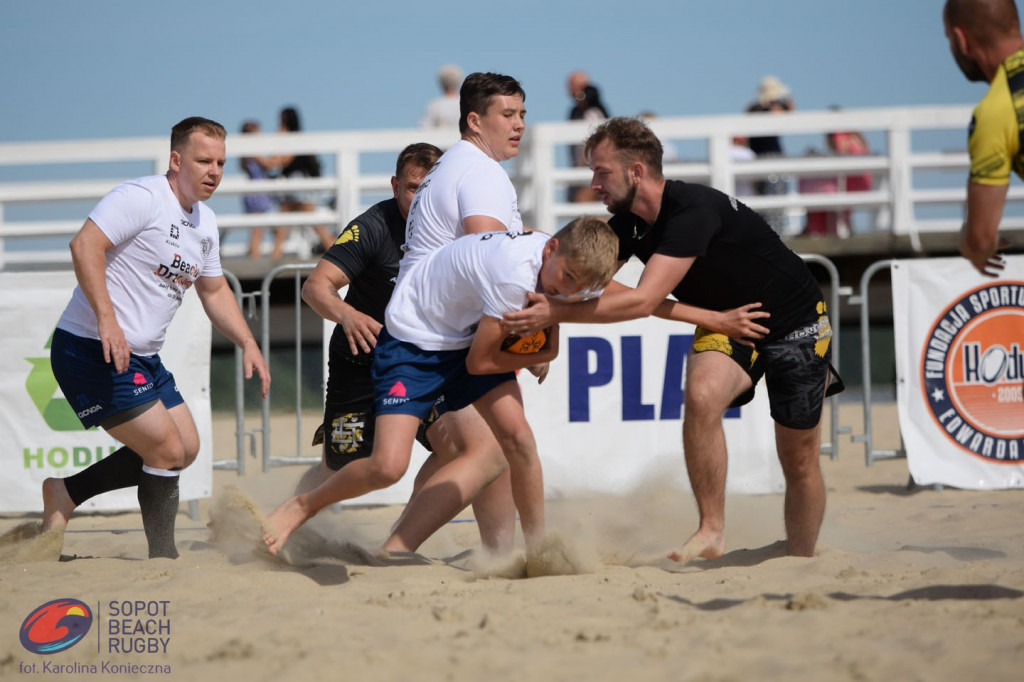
point(985, 39)
point(759, 313)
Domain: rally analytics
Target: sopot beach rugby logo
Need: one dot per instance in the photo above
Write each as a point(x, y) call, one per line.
point(56, 626)
point(973, 372)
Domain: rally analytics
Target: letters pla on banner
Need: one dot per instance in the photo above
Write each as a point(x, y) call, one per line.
point(608, 418)
point(960, 372)
point(43, 434)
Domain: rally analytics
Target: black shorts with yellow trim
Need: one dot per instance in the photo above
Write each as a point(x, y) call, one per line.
point(797, 370)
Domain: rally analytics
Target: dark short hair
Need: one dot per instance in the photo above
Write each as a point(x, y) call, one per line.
point(182, 130)
point(633, 141)
point(984, 20)
point(420, 154)
point(480, 89)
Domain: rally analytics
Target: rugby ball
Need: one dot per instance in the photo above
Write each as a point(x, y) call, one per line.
point(524, 345)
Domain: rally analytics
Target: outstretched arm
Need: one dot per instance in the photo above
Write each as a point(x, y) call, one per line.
point(222, 309)
point(979, 236)
point(650, 297)
point(320, 292)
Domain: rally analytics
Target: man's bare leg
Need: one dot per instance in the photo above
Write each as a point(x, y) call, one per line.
point(502, 409)
point(495, 513)
point(804, 508)
point(713, 380)
point(466, 463)
point(388, 462)
point(493, 506)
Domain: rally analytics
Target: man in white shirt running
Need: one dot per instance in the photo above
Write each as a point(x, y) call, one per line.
point(142, 248)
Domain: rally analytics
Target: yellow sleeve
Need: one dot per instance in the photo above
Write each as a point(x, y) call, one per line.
point(994, 138)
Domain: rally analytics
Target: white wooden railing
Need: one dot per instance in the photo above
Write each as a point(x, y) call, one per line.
point(918, 161)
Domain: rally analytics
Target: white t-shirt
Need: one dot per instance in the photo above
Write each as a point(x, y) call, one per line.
point(438, 305)
point(464, 182)
point(159, 251)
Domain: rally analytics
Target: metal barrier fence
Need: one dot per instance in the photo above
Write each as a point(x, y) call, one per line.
point(245, 303)
point(296, 269)
point(831, 448)
point(870, 453)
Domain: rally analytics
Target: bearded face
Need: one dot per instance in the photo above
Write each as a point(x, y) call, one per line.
point(970, 68)
point(623, 201)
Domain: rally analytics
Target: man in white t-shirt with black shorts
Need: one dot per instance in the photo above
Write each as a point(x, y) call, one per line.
point(144, 245)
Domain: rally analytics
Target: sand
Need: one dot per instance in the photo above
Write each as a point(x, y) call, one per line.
point(906, 584)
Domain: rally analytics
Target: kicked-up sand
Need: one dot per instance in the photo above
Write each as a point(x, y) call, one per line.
point(906, 584)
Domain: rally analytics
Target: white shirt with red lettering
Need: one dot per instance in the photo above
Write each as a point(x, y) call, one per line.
point(160, 249)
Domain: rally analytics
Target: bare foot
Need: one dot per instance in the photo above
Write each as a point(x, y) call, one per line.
point(703, 544)
point(282, 522)
point(57, 504)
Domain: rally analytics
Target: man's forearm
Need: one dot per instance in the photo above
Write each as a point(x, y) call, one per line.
point(225, 315)
point(680, 312)
point(616, 306)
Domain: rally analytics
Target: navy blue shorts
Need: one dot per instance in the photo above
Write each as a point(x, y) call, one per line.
point(96, 391)
point(409, 380)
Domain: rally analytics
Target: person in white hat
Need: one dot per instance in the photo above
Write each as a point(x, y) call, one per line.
point(773, 96)
point(443, 111)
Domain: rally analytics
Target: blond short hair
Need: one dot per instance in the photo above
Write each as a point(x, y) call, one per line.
point(592, 248)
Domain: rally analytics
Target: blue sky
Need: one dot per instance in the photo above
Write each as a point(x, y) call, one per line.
point(78, 69)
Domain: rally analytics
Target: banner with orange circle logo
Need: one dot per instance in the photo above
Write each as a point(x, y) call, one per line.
point(960, 372)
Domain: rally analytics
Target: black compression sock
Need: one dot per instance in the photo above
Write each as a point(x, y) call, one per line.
point(120, 469)
point(158, 501)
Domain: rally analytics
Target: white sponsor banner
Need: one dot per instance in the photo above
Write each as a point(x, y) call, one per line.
point(42, 435)
point(608, 416)
point(960, 372)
